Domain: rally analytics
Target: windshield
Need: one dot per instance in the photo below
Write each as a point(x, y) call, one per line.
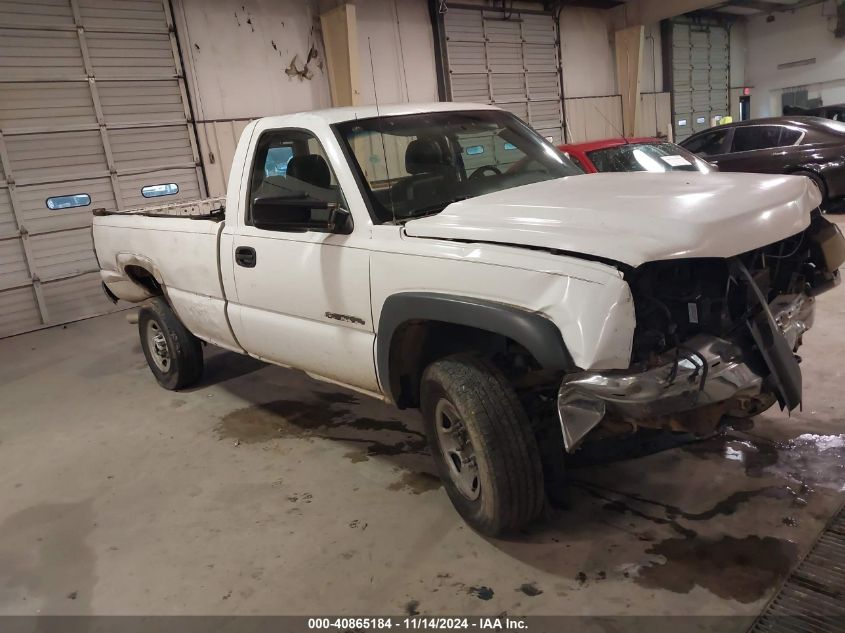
point(654, 157)
point(417, 164)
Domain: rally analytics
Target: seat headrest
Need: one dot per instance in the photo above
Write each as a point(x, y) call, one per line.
point(310, 168)
point(423, 155)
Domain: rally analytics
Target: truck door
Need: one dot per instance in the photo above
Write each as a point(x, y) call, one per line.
point(302, 292)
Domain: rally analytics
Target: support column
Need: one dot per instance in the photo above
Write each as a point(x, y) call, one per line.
point(340, 40)
point(629, 54)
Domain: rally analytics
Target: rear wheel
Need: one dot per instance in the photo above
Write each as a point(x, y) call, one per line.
point(172, 352)
point(482, 442)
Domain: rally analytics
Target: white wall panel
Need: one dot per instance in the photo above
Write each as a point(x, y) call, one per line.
point(150, 147)
point(589, 67)
point(700, 75)
point(39, 219)
point(36, 54)
point(593, 118)
point(804, 34)
point(655, 115)
point(399, 33)
point(126, 15)
point(186, 179)
point(90, 104)
point(53, 13)
point(56, 156)
point(131, 55)
point(8, 226)
point(63, 254)
point(31, 105)
point(13, 267)
point(18, 311)
point(76, 298)
point(511, 62)
point(218, 141)
point(133, 102)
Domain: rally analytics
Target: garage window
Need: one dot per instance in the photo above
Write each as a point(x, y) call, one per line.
point(154, 191)
point(68, 202)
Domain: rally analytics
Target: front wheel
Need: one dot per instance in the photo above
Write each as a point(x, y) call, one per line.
point(483, 444)
point(173, 353)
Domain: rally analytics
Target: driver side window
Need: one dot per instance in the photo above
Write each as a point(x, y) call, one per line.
point(292, 185)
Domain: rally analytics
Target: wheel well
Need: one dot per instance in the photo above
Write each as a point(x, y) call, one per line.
point(144, 278)
point(416, 344)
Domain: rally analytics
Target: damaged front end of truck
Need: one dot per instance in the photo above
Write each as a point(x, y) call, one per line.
point(713, 337)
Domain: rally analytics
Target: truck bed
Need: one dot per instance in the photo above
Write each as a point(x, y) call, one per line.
point(178, 245)
point(207, 208)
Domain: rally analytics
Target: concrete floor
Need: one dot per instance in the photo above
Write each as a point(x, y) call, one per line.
point(264, 492)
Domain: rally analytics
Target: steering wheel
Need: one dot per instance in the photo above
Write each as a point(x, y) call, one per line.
point(480, 172)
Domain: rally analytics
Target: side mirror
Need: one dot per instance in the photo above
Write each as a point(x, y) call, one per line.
point(300, 214)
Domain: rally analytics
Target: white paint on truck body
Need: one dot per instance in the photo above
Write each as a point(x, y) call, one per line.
point(281, 310)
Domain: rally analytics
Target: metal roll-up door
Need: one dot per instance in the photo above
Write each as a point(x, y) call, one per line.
point(507, 58)
point(92, 110)
point(700, 76)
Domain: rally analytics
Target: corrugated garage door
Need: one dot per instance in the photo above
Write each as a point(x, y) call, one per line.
point(507, 58)
point(92, 110)
point(700, 76)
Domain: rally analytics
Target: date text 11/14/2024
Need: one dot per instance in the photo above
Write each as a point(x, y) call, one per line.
point(417, 623)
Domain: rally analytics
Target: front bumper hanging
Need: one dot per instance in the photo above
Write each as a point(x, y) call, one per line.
point(706, 370)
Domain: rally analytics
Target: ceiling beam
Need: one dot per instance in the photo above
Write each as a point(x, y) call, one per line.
point(637, 12)
point(761, 5)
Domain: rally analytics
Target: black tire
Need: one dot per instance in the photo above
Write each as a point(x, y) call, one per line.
point(183, 350)
point(507, 469)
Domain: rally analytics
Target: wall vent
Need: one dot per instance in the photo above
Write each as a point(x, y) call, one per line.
point(801, 62)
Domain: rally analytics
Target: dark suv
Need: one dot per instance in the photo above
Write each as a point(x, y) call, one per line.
point(807, 146)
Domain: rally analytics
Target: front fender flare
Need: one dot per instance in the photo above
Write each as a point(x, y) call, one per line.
point(535, 332)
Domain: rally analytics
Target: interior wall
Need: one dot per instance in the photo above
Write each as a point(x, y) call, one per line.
point(252, 58)
point(738, 41)
point(587, 53)
point(804, 34)
point(591, 93)
point(402, 41)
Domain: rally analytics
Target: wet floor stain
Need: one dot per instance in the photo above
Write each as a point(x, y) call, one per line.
point(742, 569)
point(530, 589)
point(754, 455)
point(273, 420)
point(412, 607)
point(417, 483)
point(809, 459)
point(326, 417)
point(669, 515)
point(481, 592)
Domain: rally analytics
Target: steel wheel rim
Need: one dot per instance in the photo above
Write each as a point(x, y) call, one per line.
point(457, 450)
point(157, 344)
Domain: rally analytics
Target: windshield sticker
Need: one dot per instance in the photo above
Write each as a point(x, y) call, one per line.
point(675, 161)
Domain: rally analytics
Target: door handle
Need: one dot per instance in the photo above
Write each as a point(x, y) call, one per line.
point(245, 256)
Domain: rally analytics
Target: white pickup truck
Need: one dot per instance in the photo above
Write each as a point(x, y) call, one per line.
point(446, 257)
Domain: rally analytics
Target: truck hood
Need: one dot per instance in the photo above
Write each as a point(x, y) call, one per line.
point(634, 218)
